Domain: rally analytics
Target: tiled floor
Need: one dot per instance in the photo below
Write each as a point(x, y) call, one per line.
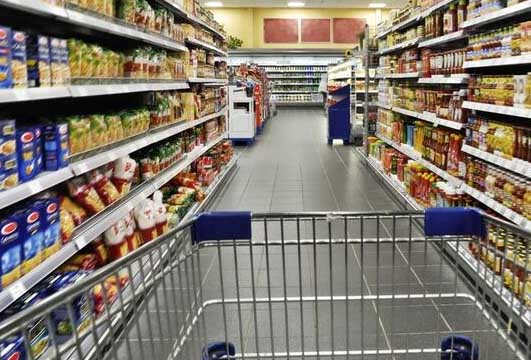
point(292, 169)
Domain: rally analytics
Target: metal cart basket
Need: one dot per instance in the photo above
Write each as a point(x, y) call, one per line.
point(385, 285)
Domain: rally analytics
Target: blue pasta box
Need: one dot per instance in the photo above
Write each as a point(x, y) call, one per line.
point(49, 209)
point(8, 146)
point(26, 154)
point(10, 250)
point(19, 61)
point(39, 157)
point(38, 60)
point(6, 80)
point(31, 236)
point(13, 349)
point(56, 149)
point(8, 179)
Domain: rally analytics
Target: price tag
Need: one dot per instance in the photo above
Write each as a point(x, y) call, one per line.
point(17, 289)
point(81, 242)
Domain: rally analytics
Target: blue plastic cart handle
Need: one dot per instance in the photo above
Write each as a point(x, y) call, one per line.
point(218, 350)
point(453, 221)
point(458, 347)
point(223, 225)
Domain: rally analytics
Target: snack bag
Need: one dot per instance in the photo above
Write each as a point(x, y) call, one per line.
point(56, 150)
point(161, 219)
point(98, 131)
point(10, 250)
point(19, 68)
point(131, 236)
point(145, 219)
point(76, 212)
point(100, 250)
point(115, 240)
point(78, 262)
point(103, 186)
point(67, 225)
point(6, 80)
point(86, 196)
point(79, 134)
point(124, 170)
point(31, 236)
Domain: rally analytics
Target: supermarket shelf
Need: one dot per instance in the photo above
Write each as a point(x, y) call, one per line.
point(212, 81)
point(410, 21)
point(31, 94)
point(384, 106)
point(457, 35)
point(363, 92)
point(206, 46)
point(198, 21)
point(453, 79)
point(436, 121)
point(406, 112)
point(496, 206)
point(498, 15)
point(293, 77)
point(91, 229)
point(411, 75)
point(401, 46)
point(497, 109)
point(47, 180)
point(300, 103)
point(296, 71)
point(37, 7)
point(516, 165)
point(295, 84)
point(294, 92)
point(504, 61)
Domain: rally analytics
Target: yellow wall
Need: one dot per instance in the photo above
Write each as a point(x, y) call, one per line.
point(247, 24)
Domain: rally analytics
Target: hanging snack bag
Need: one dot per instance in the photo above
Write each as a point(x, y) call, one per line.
point(161, 218)
point(19, 68)
point(114, 238)
point(103, 186)
point(31, 236)
point(145, 219)
point(10, 250)
point(38, 55)
point(85, 195)
point(124, 170)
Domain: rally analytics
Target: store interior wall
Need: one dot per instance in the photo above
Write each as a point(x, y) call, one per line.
point(247, 24)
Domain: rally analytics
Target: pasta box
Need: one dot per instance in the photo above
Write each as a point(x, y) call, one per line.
point(6, 80)
point(49, 210)
point(38, 55)
point(39, 158)
point(56, 147)
point(31, 236)
point(10, 250)
point(26, 154)
point(19, 61)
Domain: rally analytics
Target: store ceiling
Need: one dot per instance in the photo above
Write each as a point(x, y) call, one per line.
point(310, 3)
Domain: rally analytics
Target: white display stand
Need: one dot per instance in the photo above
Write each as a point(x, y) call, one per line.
point(241, 115)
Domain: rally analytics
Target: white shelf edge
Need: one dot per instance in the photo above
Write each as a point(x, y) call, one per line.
point(501, 14)
point(403, 45)
point(498, 109)
point(410, 75)
point(208, 81)
point(457, 35)
point(515, 165)
point(453, 79)
point(93, 227)
point(503, 61)
point(207, 46)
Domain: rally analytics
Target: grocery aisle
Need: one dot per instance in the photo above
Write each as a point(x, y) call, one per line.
point(291, 168)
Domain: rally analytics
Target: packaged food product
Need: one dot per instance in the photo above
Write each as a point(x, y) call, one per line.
point(78, 262)
point(50, 219)
point(109, 292)
point(38, 55)
point(19, 68)
point(100, 250)
point(98, 130)
point(131, 236)
point(27, 157)
point(67, 225)
point(103, 186)
point(65, 68)
point(7, 138)
point(39, 149)
point(125, 10)
point(31, 232)
point(79, 133)
point(10, 250)
point(6, 80)
point(56, 60)
point(56, 151)
point(124, 170)
point(115, 240)
point(77, 213)
point(145, 219)
point(115, 131)
point(86, 196)
point(161, 219)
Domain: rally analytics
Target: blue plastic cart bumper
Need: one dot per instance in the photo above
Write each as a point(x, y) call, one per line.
point(453, 221)
point(222, 225)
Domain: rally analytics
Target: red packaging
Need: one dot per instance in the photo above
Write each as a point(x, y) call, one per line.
point(115, 240)
point(86, 196)
point(145, 219)
point(104, 187)
point(131, 237)
point(124, 171)
point(161, 218)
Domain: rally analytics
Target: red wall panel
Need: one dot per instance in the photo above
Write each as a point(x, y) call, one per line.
point(346, 31)
point(281, 30)
point(315, 30)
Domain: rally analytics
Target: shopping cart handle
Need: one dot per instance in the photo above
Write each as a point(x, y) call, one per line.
point(219, 350)
point(458, 347)
point(457, 221)
point(222, 225)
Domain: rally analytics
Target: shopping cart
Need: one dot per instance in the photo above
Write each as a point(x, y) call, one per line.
point(292, 286)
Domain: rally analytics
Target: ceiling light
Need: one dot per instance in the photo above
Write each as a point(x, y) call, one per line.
point(214, 4)
point(377, 5)
point(296, 4)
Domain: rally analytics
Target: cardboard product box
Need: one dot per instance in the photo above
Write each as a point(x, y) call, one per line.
point(56, 149)
point(38, 55)
point(26, 154)
point(31, 236)
point(6, 79)
point(19, 66)
point(50, 221)
point(56, 62)
point(65, 64)
point(10, 250)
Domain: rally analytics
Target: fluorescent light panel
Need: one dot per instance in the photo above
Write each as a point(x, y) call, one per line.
point(377, 5)
point(214, 4)
point(296, 4)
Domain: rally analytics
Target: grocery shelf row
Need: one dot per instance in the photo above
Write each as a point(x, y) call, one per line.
point(440, 40)
point(42, 8)
point(502, 61)
point(498, 109)
point(440, 79)
point(48, 180)
point(458, 183)
point(494, 281)
point(401, 46)
point(426, 116)
point(91, 229)
point(206, 46)
point(142, 277)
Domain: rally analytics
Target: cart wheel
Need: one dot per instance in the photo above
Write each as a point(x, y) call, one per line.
point(457, 347)
point(218, 350)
